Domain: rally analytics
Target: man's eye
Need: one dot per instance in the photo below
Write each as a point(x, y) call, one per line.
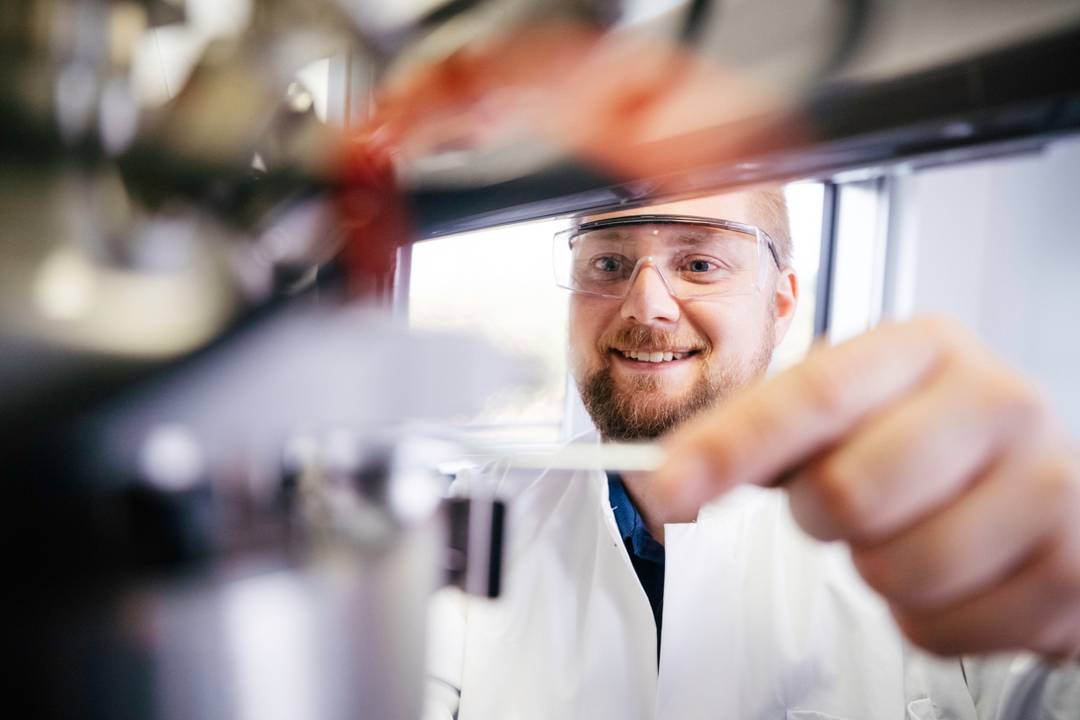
point(606, 264)
point(700, 266)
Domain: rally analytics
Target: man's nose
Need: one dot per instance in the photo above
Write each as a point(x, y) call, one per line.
point(648, 299)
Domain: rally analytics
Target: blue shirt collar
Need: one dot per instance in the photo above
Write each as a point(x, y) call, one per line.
point(631, 525)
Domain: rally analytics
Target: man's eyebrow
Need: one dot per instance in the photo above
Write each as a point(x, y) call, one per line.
point(613, 233)
point(687, 234)
point(682, 235)
point(694, 236)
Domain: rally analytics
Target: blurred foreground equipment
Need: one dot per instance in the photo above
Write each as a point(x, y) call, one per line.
point(215, 509)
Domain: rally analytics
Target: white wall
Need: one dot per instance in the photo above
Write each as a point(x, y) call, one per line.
point(996, 244)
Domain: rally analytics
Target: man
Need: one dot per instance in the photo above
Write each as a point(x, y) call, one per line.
point(628, 597)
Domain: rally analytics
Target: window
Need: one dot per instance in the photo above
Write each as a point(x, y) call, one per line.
point(499, 283)
point(805, 202)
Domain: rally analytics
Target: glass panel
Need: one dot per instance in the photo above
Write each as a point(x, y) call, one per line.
point(498, 283)
point(805, 203)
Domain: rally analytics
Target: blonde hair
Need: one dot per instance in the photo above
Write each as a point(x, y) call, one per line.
point(770, 210)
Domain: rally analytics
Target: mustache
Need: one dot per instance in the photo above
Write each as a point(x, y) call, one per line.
point(644, 337)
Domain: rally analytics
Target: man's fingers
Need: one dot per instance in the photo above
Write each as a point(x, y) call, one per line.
point(923, 451)
point(1039, 602)
point(765, 429)
point(1013, 511)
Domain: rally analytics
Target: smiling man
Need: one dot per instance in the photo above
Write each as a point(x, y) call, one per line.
point(629, 597)
point(710, 300)
point(672, 310)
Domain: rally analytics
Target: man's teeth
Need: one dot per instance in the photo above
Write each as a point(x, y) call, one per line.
point(654, 356)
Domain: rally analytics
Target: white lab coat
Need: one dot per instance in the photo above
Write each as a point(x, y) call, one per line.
point(760, 621)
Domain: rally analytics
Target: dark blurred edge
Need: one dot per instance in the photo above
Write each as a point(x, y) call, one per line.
point(1029, 93)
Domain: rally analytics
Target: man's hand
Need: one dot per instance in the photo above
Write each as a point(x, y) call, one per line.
point(943, 469)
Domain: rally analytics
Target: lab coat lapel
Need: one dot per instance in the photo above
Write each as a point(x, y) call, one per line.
point(573, 635)
point(761, 621)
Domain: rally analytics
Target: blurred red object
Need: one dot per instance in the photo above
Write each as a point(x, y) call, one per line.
point(373, 218)
point(632, 106)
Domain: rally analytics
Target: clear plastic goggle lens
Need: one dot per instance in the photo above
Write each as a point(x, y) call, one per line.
point(704, 258)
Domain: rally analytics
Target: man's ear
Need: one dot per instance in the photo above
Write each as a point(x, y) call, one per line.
point(785, 299)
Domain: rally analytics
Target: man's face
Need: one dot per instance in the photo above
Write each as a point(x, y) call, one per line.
point(720, 342)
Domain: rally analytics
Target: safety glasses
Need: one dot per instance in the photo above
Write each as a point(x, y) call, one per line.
point(695, 257)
